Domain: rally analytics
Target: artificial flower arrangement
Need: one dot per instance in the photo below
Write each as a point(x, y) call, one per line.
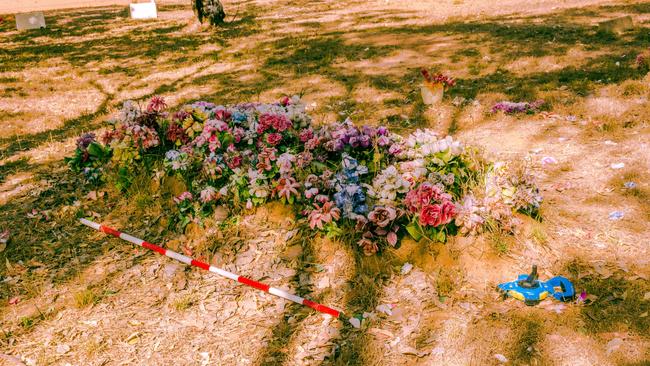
point(89, 158)
point(364, 182)
point(642, 60)
point(434, 86)
point(508, 107)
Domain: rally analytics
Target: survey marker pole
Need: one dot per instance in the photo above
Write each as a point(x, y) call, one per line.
point(193, 262)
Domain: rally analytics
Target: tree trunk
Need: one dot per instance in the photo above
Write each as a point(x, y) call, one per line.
point(210, 10)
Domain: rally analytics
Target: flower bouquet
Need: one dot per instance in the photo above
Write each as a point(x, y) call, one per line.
point(434, 86)
point(642, 60)
point(89, 157)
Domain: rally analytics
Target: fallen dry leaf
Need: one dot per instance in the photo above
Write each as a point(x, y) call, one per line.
point(133, 338)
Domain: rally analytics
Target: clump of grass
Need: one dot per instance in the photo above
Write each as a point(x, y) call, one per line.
point(26, 322)
point(619, 303)
point(528, 335)
point(499, 242)
point(85, 298)
point(444, 283)
point(539, 235)
point(143, 201)
point(184, 302)
point(95, 346)
point(633, 88)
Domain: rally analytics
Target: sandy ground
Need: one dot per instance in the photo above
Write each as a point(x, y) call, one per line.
point(223, 323)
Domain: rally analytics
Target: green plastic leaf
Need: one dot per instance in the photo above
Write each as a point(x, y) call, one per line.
point(414, 231)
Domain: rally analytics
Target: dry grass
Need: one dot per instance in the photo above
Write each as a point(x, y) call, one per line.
point(368, 72)
point(85, 298)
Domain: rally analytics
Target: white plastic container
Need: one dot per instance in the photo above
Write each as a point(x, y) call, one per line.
point(143, 10)
point(34, 20)
point(432, 93)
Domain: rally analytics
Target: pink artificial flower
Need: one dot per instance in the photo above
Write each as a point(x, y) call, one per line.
point(213, 143)
point(285, 101)
point(323, 215)
point(304, 159)
point(425, 194)
point(282, 123)
point(321, 198)
point(311, 180)
point(208, 194)
point(277, 121)
point(285, 162)
point(249, 204)
point(265, 157)
point(369, 247)
point(312, 143)
point(383, 141)
point(273, 139)
point(394, 149)
point(391, 238)
point(382, 216)
point(183, 196)
point(286, 187)
point(238, 133)
point(311, 192)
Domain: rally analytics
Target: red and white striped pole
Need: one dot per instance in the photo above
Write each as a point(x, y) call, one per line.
point(187, 260)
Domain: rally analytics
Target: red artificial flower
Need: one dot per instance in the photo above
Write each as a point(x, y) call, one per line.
point(306, 134)
point(156, 104)
point(234, 162)
point(273, 139)
point(449, 212)
point(222, 115)
point(176, 133)
point(431, 215)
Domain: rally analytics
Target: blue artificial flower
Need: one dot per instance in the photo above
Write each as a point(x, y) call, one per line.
point(239, 117)
point(351, 201)
point(351, 171)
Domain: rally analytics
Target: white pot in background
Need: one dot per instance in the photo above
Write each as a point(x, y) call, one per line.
point(432, 93)
point(143, 10)
point(33, 20)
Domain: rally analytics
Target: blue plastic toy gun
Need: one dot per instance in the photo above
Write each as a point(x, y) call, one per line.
point(532, 291)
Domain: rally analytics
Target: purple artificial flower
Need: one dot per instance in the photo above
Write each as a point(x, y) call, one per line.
point(364, 140)
point(394, 149)
point(85, 140)
point(383, 141)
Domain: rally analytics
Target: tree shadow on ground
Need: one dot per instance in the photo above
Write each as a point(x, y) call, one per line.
point(85, 36)
point(276, 352)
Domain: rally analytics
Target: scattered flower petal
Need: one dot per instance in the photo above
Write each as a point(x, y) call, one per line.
point(616, 215)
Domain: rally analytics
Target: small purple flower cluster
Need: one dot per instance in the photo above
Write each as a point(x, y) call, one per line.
point(521, 107)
